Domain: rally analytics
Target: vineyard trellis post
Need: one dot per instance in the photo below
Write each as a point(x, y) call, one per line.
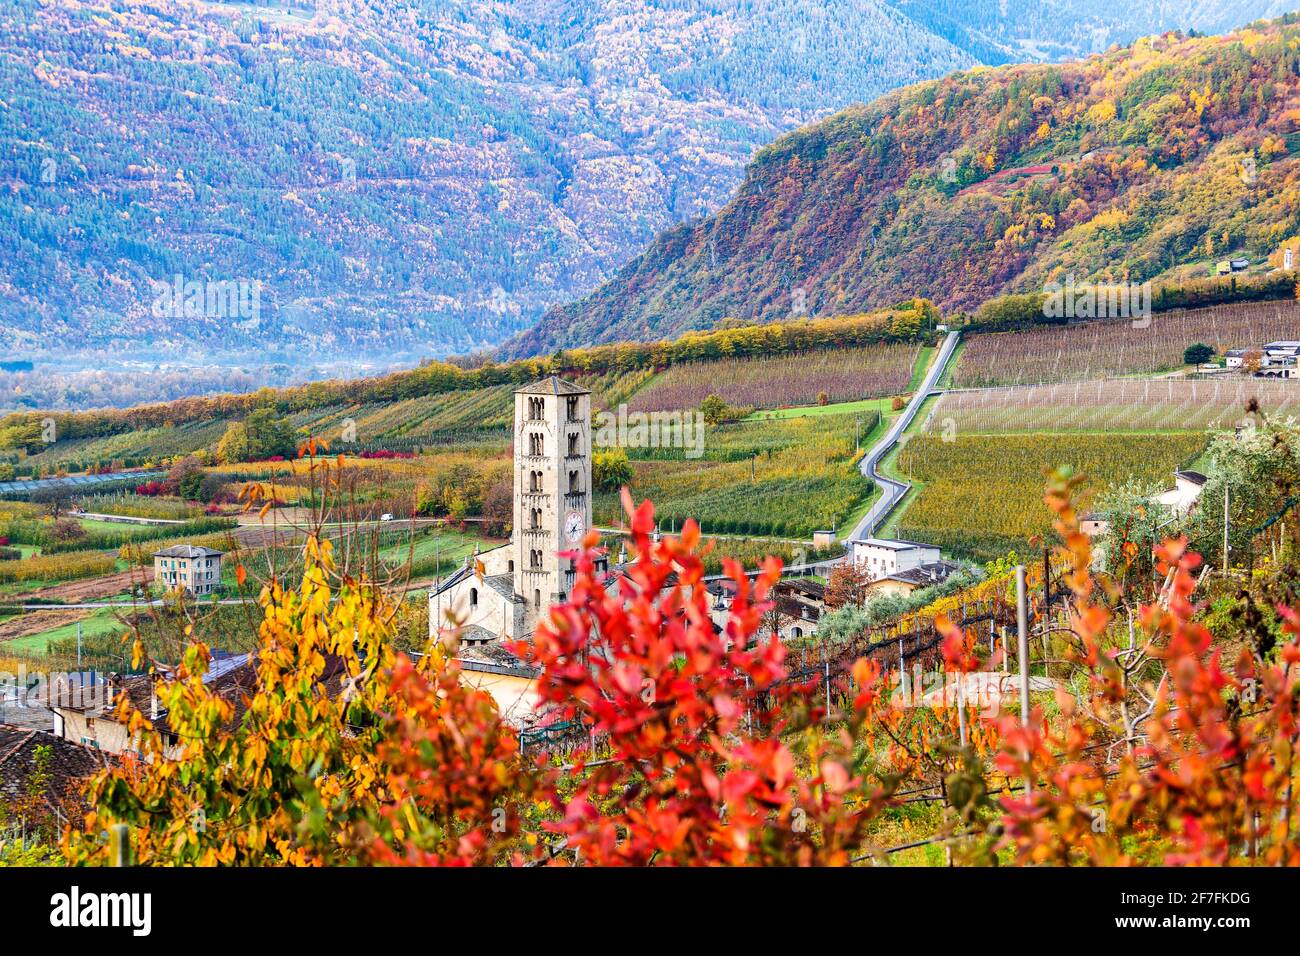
point(119, 835)
point(902, 671)
point(961, 707)
point(1022, 650)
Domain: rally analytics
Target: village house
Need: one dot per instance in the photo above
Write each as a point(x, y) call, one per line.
point(91, 719)
point(1273, 360)
point(797, 607)
point(881, 557)
point(1182, 497)
point(1181, 500)
point(913, 578)
point(1094, 523)
point(188, 567)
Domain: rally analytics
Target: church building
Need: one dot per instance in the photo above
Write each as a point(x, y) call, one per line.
point(503, 593)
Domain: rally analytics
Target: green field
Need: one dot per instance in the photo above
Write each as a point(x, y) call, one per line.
point(98, 623)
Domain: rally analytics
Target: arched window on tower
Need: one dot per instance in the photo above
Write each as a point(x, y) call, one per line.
point(537, 597)
point(473, 597)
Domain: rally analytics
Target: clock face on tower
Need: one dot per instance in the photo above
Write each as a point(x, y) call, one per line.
point(575, 525)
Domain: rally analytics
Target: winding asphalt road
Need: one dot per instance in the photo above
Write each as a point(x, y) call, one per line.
point(892, 491)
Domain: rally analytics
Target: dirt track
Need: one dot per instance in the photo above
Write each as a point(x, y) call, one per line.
point(35, 622)
point(74, 592)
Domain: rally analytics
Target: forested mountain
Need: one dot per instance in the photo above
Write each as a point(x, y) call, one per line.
point(1146, 161)
point(415, 177)
point(1017, 31)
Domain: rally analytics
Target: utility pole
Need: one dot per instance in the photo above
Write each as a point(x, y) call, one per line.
point(78, 645)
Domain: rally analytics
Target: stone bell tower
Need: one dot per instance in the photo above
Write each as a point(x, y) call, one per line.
point(552, 487)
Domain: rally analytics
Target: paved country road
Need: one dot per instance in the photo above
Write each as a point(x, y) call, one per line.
point(891, 491)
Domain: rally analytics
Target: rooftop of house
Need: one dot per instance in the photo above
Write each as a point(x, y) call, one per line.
point(923, 575)
point(1195, 477)
point(232, 677)
point(552, 385)
point(494, 658)
point(894, 544)
point(188, 551)
point(795, 609)
point(809, 589)
point(66, 765)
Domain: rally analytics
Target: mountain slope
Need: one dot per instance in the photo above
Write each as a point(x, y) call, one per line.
point(1134, 163)
point(414, 177)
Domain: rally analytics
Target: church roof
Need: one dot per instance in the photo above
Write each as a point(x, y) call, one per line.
point(553, 385)
point(495, 659)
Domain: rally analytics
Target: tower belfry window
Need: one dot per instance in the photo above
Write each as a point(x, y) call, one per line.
point(536, 408)
point(573, 445)
point(536, 444)
point(571, 404)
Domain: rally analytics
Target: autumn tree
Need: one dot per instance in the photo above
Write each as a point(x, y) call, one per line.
point(847, 585)
point(611, 469)
point(1165, 751)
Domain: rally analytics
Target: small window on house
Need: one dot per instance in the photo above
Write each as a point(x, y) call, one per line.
point(537, 597)
point(511, 566)
point(473, 597)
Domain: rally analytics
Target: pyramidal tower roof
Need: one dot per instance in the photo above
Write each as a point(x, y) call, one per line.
point(552, 385)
